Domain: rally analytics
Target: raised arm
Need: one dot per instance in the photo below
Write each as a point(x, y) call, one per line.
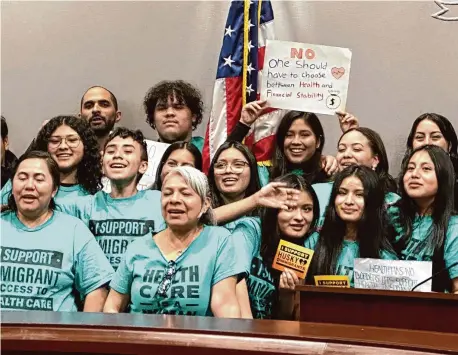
point(250, 113)
point(273, 195)
point(347, 121)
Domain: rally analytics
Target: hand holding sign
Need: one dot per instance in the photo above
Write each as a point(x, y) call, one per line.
point(289, 280)
point(306, 77)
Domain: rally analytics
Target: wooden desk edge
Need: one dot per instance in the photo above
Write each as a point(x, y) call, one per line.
point(361, 291)
point(312, 335)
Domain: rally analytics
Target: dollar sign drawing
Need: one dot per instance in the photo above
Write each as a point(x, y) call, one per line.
point(332, 102)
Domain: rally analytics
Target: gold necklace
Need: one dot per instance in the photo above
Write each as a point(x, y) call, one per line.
point(181, 251)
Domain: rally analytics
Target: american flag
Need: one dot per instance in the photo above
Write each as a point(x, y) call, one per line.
point(249, 24)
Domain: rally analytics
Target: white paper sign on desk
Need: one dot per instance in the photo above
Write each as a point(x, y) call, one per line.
point(306, 77)
point(155, 152)
point(397, 275)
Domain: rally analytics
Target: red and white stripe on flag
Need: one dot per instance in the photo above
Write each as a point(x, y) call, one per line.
point(229, 87)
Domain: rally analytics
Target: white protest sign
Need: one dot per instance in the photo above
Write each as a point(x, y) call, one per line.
point(155, 152)
point(398, 275)
point(306, 77)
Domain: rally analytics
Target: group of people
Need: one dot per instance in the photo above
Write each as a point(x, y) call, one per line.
point(204, 244)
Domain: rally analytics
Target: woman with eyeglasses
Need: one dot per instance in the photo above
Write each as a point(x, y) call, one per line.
point(190, 268)
point(237, 196)
point(427, 224)
point(49, 259)
point(177, 154)
point(72, 144)
point(235, 187)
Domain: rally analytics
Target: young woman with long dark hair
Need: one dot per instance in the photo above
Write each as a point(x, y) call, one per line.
point(427, 225)
point(354, 225)
point(435, 129)
point(360, 146)
point(258, 241)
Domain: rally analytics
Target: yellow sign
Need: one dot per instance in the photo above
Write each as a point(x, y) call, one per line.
point(293, 257)
point(332, 281)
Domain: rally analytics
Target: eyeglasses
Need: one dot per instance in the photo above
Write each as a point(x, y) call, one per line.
point(166, 281)
point(237, 167)
point(71, 141)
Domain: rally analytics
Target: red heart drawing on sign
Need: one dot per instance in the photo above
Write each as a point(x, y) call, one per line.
point(337, 72)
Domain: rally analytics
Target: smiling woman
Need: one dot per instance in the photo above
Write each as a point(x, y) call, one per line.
point(177, 154)
point(299, 143)
point(73, 146)
point(360, 146)
point(354, 225)
point(189, 268)
point(427, 225)
point(37, 240)
point(233, 175)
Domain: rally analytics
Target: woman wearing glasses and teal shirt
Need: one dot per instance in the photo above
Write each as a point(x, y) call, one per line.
point(190, 268)
point(237, 198)
point(72, 144)
point(235, 187)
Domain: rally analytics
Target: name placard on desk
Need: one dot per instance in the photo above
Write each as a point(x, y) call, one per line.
point(397, 275)
point(332, 281)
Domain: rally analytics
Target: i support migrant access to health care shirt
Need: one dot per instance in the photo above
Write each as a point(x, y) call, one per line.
point(246, 234)
point(41, 266)
point(116, 222)
point(347, 256)
point(209, 259)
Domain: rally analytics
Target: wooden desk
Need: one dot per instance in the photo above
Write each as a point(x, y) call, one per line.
point(40, 333)
point(377, 308)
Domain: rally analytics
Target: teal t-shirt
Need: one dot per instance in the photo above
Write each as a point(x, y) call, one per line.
point(264, 174)
point(64, 193)
point(209, 259)
point(246, 233)
point(41, 266)
point(116, 223)
point(323, 191)
point(198, 142)
point(416, 248)
point(347, 256)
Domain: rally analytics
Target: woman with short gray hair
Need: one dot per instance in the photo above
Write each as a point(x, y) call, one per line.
point(189, 268)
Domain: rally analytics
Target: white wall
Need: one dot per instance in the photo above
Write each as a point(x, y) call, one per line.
point(404, 61)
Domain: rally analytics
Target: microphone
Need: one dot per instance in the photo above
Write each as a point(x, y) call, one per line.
point(434, 275)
